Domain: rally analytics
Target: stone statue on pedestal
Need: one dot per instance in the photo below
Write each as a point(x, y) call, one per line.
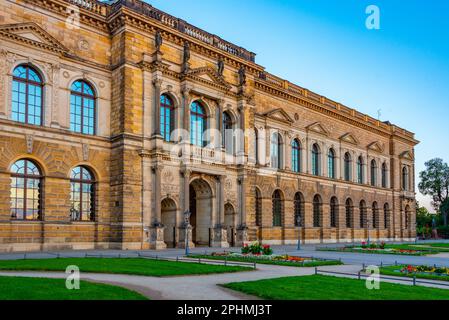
point(242, 76)
point(158, 41)
point(220, 67)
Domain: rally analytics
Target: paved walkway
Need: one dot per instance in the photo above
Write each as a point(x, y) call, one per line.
point(204, 287)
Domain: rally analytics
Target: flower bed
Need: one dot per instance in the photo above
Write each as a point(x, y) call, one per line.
point(419, 271)
point(263, 254)
point(381, 248)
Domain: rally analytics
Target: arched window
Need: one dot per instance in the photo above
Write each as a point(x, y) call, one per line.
point(27, 96)
point(167, 117)
point(360, 177)
point(197, 124)
point(228, 133)
point(347, 168)
point(363, 217)
point(375, 209)
point(405, 178)
point(349, 213)
point(334, 212)
point(386, 216)
point(296, 155)
point(317, 210)
point(278, 209)
point(331, 164)
point(373, 173)
point(82, 196)
point(82, 108)
point(299, 209)
point(258, 208)
point(315, 160)
point(384, 175)
point(276, 151)
point(26, 191)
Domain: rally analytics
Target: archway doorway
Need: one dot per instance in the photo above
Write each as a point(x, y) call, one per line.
point(201, 211)
point(168, 217)
point(230, 223)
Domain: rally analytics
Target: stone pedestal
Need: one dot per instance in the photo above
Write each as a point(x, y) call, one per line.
point(157, 237)
point(242, 236)
point(219, 237)
point(182, 238)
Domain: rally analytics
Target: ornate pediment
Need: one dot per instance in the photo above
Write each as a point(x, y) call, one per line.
point(376, 146)
point(317, 127)
point(407, 155)
point(209, 76)
point(349, 138)
point(279, 115)
point(32, 34)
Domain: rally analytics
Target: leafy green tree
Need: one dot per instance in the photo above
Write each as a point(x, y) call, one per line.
point(423, 221)
point(435, 183)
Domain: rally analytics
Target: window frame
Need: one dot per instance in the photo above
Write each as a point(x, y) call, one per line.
point(26, 177)
point(316, 160)
point(27, 83)
point(277, 208)
point(347, 167)
point(331, 156)
point(84, 97)
point(164, 106)
point(373, 173)
point(296, 156)
point(82, 182)
point(194, 139)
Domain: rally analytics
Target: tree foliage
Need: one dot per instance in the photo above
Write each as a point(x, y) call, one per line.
point(435, 183)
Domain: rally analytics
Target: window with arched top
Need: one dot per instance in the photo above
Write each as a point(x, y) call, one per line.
point(82, 108)
point(315, 160)
point(197, 124)
point(334, 212)
point(317, 211)
point(299, 209)
point(331, 163)
point(384, 175)
point(258, 207)
point(386, 215)
point(27, 95)
point(167, 120)
point(405, 178)
point(26, 191)
point(276, 151)
point(375, 210)
point(278, 208)
point(373, 173)
point(228, 133)
point(360, 174)
point(347, 167)
point(82, 194)
point(349, 213)
point(296, 155)
point(363, 211)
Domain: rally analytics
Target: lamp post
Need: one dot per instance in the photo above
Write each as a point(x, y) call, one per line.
point(298, 223)
point(368, 226)
point(187, 227)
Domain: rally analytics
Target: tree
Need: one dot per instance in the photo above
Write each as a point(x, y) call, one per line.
point(435, 183)
point(423, 221)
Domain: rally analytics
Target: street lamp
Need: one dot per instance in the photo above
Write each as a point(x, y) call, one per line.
point(298, 223)
point(368, 226)
point(187, 227)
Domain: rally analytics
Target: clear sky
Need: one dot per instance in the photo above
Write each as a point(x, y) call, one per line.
point(323, 45)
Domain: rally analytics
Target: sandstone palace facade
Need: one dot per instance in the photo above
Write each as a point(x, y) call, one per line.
point(117, 118)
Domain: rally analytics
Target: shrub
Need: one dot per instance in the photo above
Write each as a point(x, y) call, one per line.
point(364, 245)
point(373, 246)
point(267, 250)
point(245, 249)
point(382, 245)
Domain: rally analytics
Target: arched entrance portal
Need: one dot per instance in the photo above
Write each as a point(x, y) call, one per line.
point(168, 217)
point(201, 211)
point(230, 223)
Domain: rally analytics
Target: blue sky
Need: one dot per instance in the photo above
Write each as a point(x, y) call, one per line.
point(323, 45)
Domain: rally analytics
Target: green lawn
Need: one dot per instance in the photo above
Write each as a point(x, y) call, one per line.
point(136, 266)
point(395, 271)
point(318, 287)
point(306, 264)
point(21, 288)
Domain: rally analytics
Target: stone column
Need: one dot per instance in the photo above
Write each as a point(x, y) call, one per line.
point(220, 128)
point(220, 234)
point(242, 230)
point(157, 229)
point(157, 83)
point(183, 228)
point(186, 190)
point(186, 113)
point(221, 196)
